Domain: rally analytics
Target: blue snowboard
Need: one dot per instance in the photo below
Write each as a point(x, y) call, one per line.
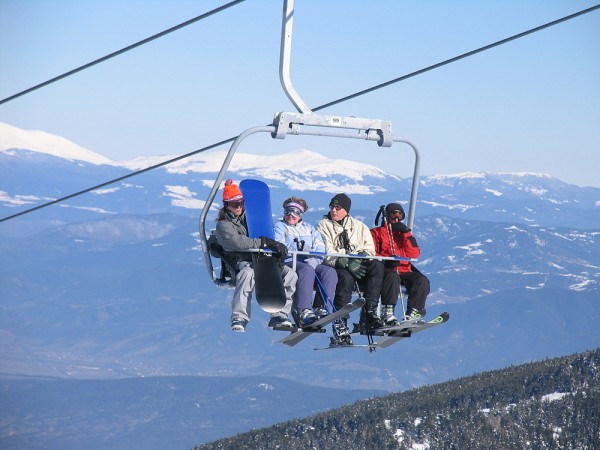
point(269, 290)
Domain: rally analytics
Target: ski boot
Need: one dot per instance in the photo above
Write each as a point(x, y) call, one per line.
point(280, 322)
point(320, 312)
point(305, 317)
point(369, 319)
point(238, 325)
point(388, 317)
point(414, 314)
point(341, 336)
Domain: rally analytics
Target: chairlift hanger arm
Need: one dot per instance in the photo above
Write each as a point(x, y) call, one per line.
point(285, 57)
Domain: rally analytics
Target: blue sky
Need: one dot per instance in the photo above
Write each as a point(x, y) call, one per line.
point(532, 105)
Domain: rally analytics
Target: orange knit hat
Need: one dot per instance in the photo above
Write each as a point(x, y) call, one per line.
point(231, 192)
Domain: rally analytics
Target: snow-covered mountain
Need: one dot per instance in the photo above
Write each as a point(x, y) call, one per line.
point(12, 138)
point(30, 178)
point(112, 283)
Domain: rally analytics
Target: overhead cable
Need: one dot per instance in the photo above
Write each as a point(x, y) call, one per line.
point(334, 102)
point(456, 58)
point(123, 50)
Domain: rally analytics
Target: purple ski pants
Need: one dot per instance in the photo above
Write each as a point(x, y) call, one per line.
point(303, 297)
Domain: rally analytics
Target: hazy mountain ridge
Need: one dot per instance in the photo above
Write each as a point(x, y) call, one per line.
point(152, 413)
point(144, 305)
point(117, 274)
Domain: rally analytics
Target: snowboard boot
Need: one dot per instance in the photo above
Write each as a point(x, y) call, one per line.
point(239, 325)
point(280, 322)
point(341, 336)
point(369, 320)
point(388, 317)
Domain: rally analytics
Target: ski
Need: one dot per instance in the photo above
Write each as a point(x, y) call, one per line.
point(268, 282)
point(408, 330)
point(332, 347)
point(318, 327)
point(383, 331)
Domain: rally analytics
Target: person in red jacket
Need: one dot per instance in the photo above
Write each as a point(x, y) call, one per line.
point(394, 238)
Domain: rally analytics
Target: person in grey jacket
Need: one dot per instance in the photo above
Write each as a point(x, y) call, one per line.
point(232, 235)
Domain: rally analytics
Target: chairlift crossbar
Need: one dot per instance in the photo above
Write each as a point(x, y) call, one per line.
point(373, 129)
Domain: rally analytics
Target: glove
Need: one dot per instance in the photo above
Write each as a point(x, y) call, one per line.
point(341, 262)
point(356, 268)
point(399, 226)
point(274, 245)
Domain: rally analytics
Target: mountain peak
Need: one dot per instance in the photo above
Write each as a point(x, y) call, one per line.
point(13, 138)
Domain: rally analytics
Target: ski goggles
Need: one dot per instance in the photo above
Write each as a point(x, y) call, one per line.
point(295, 212)
point(237, 204)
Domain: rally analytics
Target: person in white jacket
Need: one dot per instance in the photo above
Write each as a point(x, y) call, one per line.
point(298, 235)
point(345, 234)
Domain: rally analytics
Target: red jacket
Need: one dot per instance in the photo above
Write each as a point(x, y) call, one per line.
point(405, 245)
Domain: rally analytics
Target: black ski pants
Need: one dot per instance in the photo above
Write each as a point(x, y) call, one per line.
point(417, 288)
point(370, 285)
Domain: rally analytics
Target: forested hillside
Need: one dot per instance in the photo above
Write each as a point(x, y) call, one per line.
point(550, 404)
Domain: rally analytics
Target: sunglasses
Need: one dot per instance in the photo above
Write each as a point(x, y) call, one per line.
point(239, 204)
point(295, 212)
point(397, 212)
point(335, 207)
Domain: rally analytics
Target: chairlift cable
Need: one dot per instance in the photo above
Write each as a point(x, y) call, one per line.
point(123, 50)
point(334, 102)
point(115, 180)
point(456, 58)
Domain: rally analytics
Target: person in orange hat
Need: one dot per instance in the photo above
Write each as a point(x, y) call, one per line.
point(232, 235)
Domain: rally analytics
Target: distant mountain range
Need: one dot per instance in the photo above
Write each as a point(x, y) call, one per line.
point(112, 283)
point(152, 413)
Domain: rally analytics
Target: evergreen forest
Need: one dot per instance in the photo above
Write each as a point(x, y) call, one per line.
point(549, 404)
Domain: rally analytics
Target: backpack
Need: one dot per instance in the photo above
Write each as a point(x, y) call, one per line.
point(228, 263)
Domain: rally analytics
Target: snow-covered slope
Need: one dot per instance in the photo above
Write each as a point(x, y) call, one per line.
point(302, 170)
point(12, 138)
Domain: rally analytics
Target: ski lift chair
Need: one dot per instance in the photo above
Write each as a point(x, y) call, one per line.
point(304, 122)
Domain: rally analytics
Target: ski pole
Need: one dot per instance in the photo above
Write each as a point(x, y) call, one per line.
point(324, 294)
